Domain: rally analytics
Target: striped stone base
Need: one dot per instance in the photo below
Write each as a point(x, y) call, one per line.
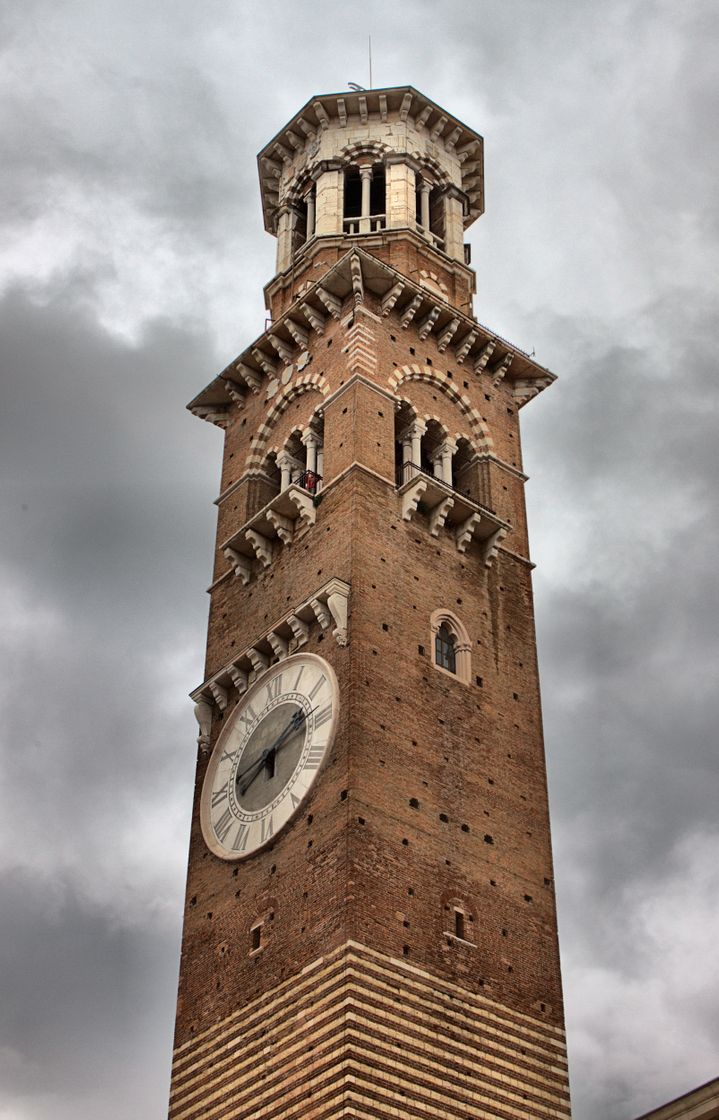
point(360, 1034)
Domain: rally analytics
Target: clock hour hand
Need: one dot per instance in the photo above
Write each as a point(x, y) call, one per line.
point(294, 725)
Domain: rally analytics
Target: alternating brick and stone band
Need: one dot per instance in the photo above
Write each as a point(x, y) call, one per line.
point(360, 1034)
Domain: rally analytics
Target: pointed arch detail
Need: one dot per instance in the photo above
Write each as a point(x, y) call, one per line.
point(306, 383)
point(481, 437)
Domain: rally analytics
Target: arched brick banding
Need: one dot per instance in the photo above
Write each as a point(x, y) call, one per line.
point(481, 438)
point(306, 383)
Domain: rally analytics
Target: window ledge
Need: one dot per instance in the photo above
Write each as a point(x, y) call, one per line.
point(463, 518)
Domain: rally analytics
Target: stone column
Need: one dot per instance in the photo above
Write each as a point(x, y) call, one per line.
point(446, 451)
point(415, 434)
point(284, 462)
point(310, 200)
point(424, 189)
point(310, 441)
point(366, 177)
point(320, 465)
point(285, 226)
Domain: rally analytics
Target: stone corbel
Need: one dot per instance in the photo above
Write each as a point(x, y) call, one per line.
point(219, 694)
point(425, 325)
point(447, 335)
point(305, 506)
point(315, 319)
point(500, 371)
point(465, 531)
point(279, 644)
point(235, 392)
point(260, 660)
point(411, 497)
point(261, 545)
point(331, 302)
point(492, 546)
point(484, 355)
point(438, 516)
point(215, 414)
point(337, 601)
point(391, 298)
point(300, 630)
point(465, 346)
point(239, 678)
point(283, 525)
point(241, 565)
point(321, 613)
point(281, 347)
point(203, 715)
point(250, 376)
point(410, 311)
point(300, 335)
point(265, 362)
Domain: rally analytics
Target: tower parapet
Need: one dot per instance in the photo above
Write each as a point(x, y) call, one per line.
point(373, 164)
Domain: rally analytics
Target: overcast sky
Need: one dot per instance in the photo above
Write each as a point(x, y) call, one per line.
point(132, 264)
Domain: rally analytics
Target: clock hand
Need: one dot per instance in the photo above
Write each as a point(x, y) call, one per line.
point(294, 725)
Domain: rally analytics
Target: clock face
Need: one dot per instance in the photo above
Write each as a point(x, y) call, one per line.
point(268, 755)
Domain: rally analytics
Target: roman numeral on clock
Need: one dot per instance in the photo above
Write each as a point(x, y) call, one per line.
point(274, 687)
point(241, 837)
point(267, 828)
point(323, 715)
point(218, 796)
point(248, 717)
point(314, 758)
point(223, 825)
point(318, 686)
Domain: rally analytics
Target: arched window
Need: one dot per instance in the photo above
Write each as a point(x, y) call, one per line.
point(364, 207)
point(444, 652)
point(451, 647)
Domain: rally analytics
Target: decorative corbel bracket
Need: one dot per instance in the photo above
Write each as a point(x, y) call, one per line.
point(284, 526)
point(261, 545)
point(305, 506)
point(492, 546)
point(465, 531)
point(203, 715)
point(338, 601)
point(279, 645)
point(438, 516)
point(242, 565)
point(411, 498)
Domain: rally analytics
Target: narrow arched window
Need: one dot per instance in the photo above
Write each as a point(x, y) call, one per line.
point(444, 649)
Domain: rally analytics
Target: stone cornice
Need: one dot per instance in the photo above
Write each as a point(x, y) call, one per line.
point(350, 279)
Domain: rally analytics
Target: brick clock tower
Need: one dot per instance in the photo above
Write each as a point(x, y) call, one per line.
point(370, 924)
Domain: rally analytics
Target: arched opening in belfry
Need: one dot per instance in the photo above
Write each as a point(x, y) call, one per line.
point(378, 194)
point(430, 448)
point(353, 196)
point(462, 462)
point(365, 193)
point(429, 211)
point(405, 420)
point(301, 460)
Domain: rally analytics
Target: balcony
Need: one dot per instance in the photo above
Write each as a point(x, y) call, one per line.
point(371, 224)
point(447, 509)
point(275, 525)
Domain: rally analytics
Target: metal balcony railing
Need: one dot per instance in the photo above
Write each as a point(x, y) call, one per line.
point(309, 481)
point(406, 471)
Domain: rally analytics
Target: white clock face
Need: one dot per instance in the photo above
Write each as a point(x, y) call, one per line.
point(268, 755)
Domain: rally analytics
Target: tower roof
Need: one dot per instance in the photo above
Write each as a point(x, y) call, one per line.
point(298, 143)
